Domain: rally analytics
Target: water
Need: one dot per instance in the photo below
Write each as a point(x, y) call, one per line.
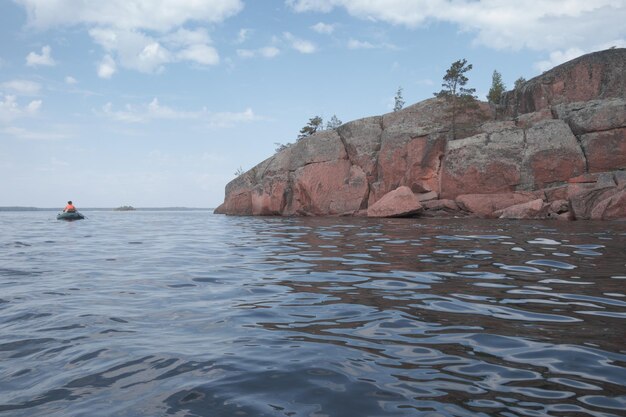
point(194, 314)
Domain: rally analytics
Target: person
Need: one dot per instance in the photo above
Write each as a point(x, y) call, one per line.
point(69, 208)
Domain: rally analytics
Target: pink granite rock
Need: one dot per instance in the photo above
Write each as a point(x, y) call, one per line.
point(400, 202)
point(485, 205)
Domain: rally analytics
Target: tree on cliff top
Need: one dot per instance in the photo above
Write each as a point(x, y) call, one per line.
point(315, 124)
point(398, 100)
point(495, 92)
point(497, 88)
point(333, 123)
point(454, 92)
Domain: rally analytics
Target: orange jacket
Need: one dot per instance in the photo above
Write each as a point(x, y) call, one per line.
point(69, 207)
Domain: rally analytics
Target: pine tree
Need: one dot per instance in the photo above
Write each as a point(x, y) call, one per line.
point(454, 92)
point(519, 82)
point(399, 101)
point(315, 124)
point(497, 88)
point(333, 123)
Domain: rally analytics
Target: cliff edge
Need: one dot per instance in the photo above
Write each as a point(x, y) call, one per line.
point(557, 150)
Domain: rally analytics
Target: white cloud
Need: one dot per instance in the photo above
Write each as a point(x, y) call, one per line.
point(70, 80)
point(156, 111)
point(132, 49)
point(499, 24)
point(22, 133)
point(138, 51)
point(33, 59)
point(301, 45)
point(558, 57)
point(229, 119)
point(10, 109)
point(201, 54)
point(323, 6)
point(128, 14)
point(266, 52)
point(184, 38)
point(355, 44)
point(136, 34)
point(243, 35)
point(22, 87)
point(106, 67)
point(33, 106)
point(323, 28)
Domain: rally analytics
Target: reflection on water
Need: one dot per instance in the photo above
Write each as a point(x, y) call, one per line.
point(192, 314)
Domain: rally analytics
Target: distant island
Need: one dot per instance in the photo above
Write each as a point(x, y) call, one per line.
point(124, 208)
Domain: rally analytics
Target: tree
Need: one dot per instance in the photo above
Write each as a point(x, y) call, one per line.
point(239, 172)
point(315, 124)
point(497, 88)
point(281, 146)
point(519, 82)
point(454, 92)
point(399, 101)
point(333, 123)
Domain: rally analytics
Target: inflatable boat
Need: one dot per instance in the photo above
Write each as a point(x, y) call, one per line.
point(70, 216)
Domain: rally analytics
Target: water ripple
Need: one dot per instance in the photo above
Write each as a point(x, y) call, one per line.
point(193, 314)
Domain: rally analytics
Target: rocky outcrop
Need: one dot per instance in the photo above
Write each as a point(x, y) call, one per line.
point(558, 150)
point(400, 202)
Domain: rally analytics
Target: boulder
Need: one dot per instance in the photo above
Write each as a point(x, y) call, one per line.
point(485, 205)
point(447, 205)
point(583, 200)
point(530, 210)
point(612, 206)
point(426, 196)
point(400, 202)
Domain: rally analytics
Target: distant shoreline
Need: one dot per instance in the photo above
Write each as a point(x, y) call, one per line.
point(24, 208)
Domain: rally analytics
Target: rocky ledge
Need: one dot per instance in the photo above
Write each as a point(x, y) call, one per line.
point(556, 150)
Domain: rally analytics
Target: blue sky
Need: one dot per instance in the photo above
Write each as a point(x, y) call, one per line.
point(126, 102)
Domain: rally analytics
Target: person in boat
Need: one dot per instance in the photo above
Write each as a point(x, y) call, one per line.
point(69, 208)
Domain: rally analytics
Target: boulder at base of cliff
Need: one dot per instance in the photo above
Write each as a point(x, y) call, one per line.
point(485, 205)
point(612, 207)
point(442, 208)
point(400, 202)
point(598, 203)
point(531, 210)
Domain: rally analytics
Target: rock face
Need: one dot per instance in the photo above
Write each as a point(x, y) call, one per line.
point(557, 150)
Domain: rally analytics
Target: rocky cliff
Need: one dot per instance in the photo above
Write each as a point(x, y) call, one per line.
point(557, 150)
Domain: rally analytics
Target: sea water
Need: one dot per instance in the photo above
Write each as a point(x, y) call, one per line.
point(170, 313)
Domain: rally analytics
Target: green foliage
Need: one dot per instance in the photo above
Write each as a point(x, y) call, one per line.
point(239, 172)
point(333, 123)
point(398, 100)
point(497, 88)
point(519, 82)
point(458, 97)
point(281, 146)
point(315, 124)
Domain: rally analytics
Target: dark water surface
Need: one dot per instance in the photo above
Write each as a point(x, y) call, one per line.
point(194, 314)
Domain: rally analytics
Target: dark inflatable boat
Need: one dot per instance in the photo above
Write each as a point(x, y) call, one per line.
point(70, 216)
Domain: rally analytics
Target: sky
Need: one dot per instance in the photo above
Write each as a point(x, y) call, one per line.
point(158, 103)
